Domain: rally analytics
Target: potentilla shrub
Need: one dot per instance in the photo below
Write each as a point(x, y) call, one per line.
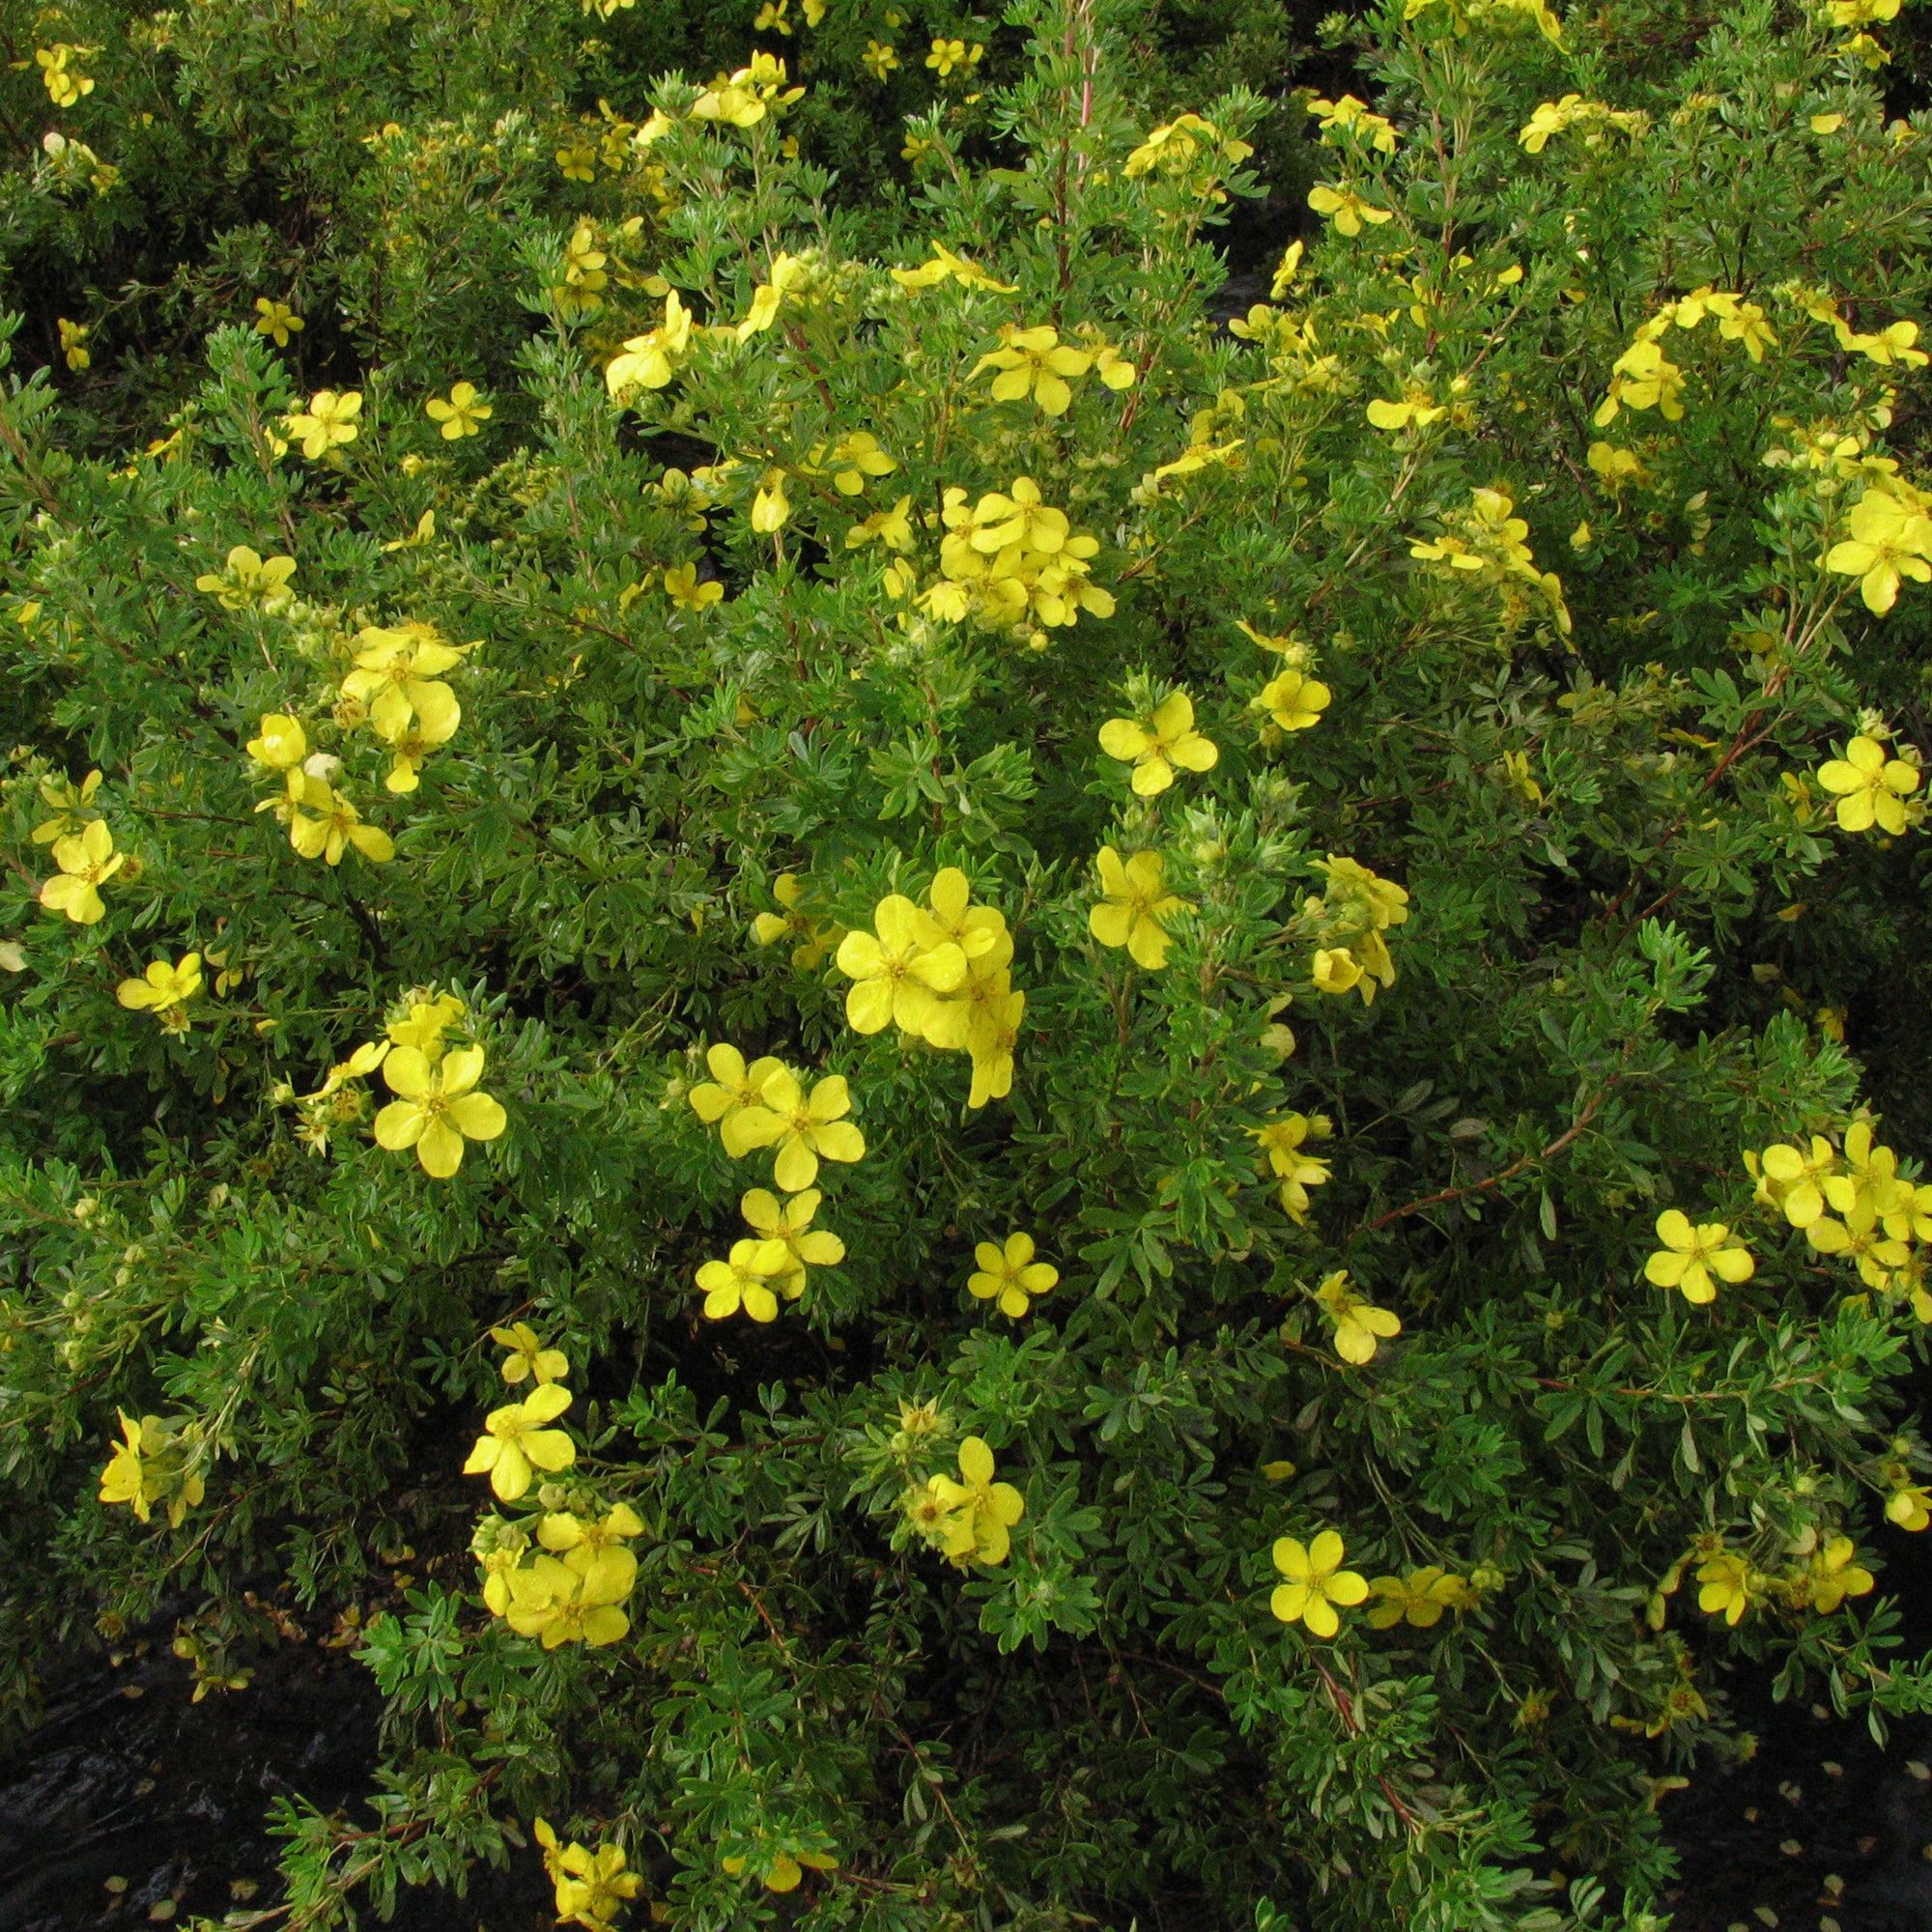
point(1061, 1106)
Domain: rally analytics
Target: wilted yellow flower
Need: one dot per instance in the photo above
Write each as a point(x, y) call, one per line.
point(1833, 1575)
point(1316, 1583)
point(277, 321)
point(1421, 1597)
point(1870, 788)
point(1010, 1275)
point(945, 265)
point(1360, 1326)
point(1135, 907)
point(1691, 1256)
point(1155, 745)
point(515, 1443)
point(149, 1465)
point(1282, 1142)
point(464, 414)
point(250, 581)
point(87, 860)
point(74, 343)
point(879, 60)
point(1908, 1506)
point(437, 1107)
point(164, 991)
point(771, 507)
point(328, 423)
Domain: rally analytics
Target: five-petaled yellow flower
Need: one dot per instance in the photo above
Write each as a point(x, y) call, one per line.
point(277, 321)
point(437, 1107)
point(515, 1443)
point(1155, 745)
point(682, 588)
point(328, 421)
point(1135, 907)
point(1345, 208)
point(87, 860)
point(1316, 1583)
point(744, 1281)
point(803, 1130)
point(1833, 1575)
point(464, 414)
point(1870, 788)
point(1293, 700)
point(975, 1512)
point(164, 991)
point(900, 971)
point(1889, 539)
point(945, 55)
point(733, 1091)
point(551, 1601)
point(879, 59)
point(1730, 1587)
point(1691, 1256)
point(1010, 1274)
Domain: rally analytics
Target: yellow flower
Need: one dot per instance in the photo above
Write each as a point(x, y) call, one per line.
point(1135, 907)
point(1154, 746)
point(992, 1038)
point(1316, 1583)
point(945, 55)
point(68, 803)
point(900, 971)
point(166, 991)
point(337, 827)
point(1889, 539)
point(87, 860)
point(515, 1443)
point(1691, 1255)
point(789, 1225)
point(1282, 1142)
point(1421, 1597)
point(65, 85)
point(1033, 362)
point(1870, 788)
point(398, 676)
point(977, 1511)
point(682, 588)
point(1790, 1180)
point(74, 343)
point(148, 1467)
point(771, 507)
point(1334, 970)
point(591, 1885)
point(551, 1601)
point(1293, 700)
point(527, 1356)
point(1860, 1236)
point(250, 581)
point(1351, 117)
point(328, 421)
point(437, 1108)
point(649, 361)
point(1731, 1586)
point(1416, 407)
point(744, 1281)
point(1360, 1326)
point(786, 1869)
point(853, 459)
point(945, 265)
point(891, 528)
point(277, 321)
point(1010, 1274)
point(1910, 1506)
point(732, 1093)
point(1345, 208)
point(464, 414)
point(803, 1130)
point(1833, 1575)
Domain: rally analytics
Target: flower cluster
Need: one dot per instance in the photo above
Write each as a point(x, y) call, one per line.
point(1283, 1142)
point(1851, 1201)
point(940, 974)
point(1731, 1586)
point(1189, 149)
point(1009, 560)
point(765, 1105)
point(1485, 544)
point(1346, 922)
point(397, 685)
point(1558, 117)
point(967, 1517)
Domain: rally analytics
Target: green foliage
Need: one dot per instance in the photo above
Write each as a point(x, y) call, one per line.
point(1526, 547)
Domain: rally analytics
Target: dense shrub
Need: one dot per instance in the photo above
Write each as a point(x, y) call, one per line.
point(1118, 1065)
